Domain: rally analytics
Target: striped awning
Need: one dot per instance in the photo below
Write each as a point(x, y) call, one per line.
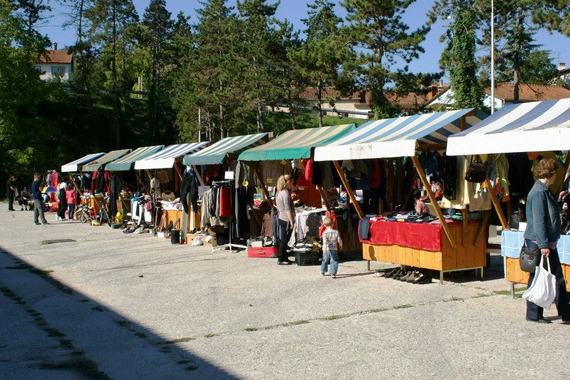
point(216, 153)
point(166, 158)
point(396, 137)
point(127, 162)
point(104, 160)
point(527, 127)
point(75, 166)
point(296, 144)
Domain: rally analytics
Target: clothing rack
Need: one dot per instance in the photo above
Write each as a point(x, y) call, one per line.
point(230, 245)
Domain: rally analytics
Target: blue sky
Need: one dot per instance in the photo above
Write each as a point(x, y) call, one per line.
point(295, 11)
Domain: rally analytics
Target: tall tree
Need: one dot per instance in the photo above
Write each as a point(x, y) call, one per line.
point(110, 26)
point(382, 40)
point(319, 58)
point(459, 56)
point(157, 32)
point(257, 19)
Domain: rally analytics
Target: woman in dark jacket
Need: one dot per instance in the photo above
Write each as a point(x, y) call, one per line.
point(543, 231)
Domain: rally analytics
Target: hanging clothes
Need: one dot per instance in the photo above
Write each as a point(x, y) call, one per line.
point(241, 200)
point(189, 191)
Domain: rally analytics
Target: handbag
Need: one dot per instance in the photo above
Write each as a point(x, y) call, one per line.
point(529, 258)
point(542, 291)
point(476, 171)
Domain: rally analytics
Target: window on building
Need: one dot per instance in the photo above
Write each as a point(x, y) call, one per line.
point(57, 71)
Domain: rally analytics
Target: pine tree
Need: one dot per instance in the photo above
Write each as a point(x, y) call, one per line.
point(459, 56)
point(319, 59)
point(157, 33)
point(111, 24)
point(257, 27)
point(382, 39)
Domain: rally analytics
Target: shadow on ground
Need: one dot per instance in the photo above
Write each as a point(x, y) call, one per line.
point(97, 342)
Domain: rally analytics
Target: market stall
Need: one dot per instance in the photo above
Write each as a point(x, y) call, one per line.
point(222, 155)
point(166, 173)
point(407, 151)
point(542, 127)
point(291, 153)
point(126, 181)
point(77, 165)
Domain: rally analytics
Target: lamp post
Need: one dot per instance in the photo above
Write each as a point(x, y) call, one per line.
point(492, 57)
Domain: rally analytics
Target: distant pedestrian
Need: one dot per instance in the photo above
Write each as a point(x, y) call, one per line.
point(62, 201)
point(331, 245)
point(71, 198)
point(38, 201)
point(11, 192)
point(24, 199)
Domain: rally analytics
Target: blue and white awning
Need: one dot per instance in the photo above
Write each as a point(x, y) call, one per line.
point(216, 153)
point(396, 137)
point(166, 158)
point(527, 127)
point(75, 166)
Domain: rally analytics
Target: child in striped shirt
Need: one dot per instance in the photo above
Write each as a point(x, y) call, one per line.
point(331, 244)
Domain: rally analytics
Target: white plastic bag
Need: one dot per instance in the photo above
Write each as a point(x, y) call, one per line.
point(542, 291)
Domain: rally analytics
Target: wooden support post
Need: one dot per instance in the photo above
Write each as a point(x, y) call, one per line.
point(262, 183)
point(559, 182)
point(348, 190)
point(465, 215)
point(432, 199)
point(496, 204)
point(484, 224)
point(199, 176)
point(177, 170)
point(324, 197)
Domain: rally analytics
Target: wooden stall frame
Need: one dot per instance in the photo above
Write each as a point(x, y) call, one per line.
point(348, 190)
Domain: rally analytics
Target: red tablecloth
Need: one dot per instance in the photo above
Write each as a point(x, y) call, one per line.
point(412, 235)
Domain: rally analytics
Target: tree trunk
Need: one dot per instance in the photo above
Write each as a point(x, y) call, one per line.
point(320, 102)
point(518, 52)
point(259, 117)
point(116, 101)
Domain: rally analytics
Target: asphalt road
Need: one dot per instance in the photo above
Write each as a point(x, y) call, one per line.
point(109, 305)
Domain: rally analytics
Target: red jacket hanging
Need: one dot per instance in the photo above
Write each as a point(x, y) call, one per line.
point(225, 202)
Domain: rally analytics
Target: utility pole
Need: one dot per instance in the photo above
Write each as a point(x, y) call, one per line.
point(492, 57)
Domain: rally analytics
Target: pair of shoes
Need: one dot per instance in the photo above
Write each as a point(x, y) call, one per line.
point(395, 273)
point(391, 272)
point(334, 276)
point(323, 274)
point(37, 223)
point(541, 320)
point(45, 223)
point(422, 279)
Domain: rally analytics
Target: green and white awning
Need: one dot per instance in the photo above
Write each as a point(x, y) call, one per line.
point(296, 144)
point(215, 154)
point(75, 166)
point(127, 162)
point(104, 160)
point(166, 158)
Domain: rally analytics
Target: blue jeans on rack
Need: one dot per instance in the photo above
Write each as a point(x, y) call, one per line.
point(332, 258)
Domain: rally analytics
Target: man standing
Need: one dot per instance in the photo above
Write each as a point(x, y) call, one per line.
point(11, 192)
point(38, 202)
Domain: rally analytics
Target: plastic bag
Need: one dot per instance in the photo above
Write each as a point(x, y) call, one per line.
point(542, 291)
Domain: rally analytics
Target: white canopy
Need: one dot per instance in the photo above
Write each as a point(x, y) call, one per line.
point(75, 166)
point(527, 127)
point(166, 158)
point(395, 137)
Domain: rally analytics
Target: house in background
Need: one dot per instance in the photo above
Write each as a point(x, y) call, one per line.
point(55, 64)
point(564, 73)
point(357, 104)
point(504, 94)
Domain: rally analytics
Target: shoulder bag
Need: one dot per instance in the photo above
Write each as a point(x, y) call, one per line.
point(529, 258)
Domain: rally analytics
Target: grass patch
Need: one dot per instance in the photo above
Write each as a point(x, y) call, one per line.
point(250, 329)
point(179, 340)
point(66, 343)
point(20, 266)
point(332, 317)
point(298, 323)
point(13, 296)
point(210, 335)
point(54, 332)
point(405, 306)
point(84, 367)
point(40, 272)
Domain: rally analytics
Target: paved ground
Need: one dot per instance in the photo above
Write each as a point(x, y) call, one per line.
point(108, 305)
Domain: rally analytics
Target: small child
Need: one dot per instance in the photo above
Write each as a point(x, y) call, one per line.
point(331, 244)
point(71, 199)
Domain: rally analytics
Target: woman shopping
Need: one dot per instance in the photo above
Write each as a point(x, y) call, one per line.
point(543, 231)
point(286, 217)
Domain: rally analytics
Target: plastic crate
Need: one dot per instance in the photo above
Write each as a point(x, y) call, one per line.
point(262, 252)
